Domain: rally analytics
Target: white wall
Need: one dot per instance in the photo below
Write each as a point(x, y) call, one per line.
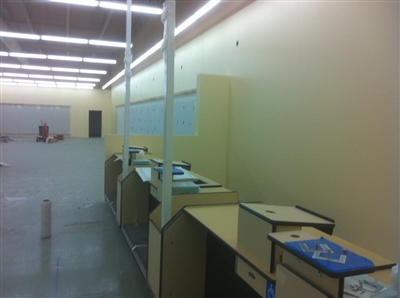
point(80, 101)
point(314, 108)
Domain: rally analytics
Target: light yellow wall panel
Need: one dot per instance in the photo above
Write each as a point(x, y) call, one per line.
point(314, 109)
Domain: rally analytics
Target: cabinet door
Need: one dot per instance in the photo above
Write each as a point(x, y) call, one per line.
point(289, 284)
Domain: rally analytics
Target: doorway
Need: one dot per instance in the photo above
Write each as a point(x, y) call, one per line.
point(94, 124)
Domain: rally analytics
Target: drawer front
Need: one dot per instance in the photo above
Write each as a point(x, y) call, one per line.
point(251, 277)
point(153, 191)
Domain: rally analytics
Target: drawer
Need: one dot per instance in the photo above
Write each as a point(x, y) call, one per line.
point(251, 277)
point(153, 191)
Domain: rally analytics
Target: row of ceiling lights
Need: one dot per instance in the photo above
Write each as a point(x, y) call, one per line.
point(46, 68)
point(76, 40)
point(113, 5)
point(202, 11)
point(58, 57)
point(40, 83)
point(49, 77)
point(83, 41)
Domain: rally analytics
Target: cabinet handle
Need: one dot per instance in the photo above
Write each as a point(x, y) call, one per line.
point(251, 274)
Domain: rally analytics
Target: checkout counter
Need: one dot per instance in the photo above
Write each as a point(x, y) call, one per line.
point(214, 246)
point(179, 252)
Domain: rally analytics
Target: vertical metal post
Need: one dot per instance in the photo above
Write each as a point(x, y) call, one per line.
point(128, 73)
point(397, 288)
point(168, 19)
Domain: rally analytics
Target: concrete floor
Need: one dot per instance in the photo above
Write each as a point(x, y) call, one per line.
point(86, 255)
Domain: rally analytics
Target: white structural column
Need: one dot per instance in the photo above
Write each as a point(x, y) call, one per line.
point(168, 18)
point(128, 73)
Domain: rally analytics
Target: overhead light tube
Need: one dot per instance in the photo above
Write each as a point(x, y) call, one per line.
point(134, 8)
point(92, 71)
point(198, 14)
point(27, 55)
point(97, 60)
point(7, 65)
point(64, 58)
point(19, 35)
point(107, 43)
point(33, 67)
point(78, 2)
point(64, 39)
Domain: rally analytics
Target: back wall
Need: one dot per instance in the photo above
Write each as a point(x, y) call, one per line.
point(80, 102)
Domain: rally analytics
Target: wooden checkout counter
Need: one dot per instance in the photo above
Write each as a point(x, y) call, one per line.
point(178, 266)
point(180, 259)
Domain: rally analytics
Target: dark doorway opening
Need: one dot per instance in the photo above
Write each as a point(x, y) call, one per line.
point(94, 124)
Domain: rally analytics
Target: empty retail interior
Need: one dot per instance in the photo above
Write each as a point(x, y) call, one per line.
point(292, 104)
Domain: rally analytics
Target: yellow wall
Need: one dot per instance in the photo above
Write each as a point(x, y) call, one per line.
point(80, 102)
point(314, 108)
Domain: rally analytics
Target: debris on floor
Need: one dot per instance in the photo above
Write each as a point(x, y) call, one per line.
point(3, 164)
point(51, 139)
point(5, 139)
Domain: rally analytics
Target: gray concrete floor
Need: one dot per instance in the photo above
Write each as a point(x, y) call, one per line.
point(86, 255)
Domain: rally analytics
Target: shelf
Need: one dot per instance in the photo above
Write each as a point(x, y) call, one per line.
point(111, 199)
point(137, 238)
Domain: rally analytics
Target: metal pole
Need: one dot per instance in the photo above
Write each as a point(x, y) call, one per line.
point(128, 73)
point(168, 19)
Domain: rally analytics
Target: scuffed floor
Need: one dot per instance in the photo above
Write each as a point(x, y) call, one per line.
point(86, 255)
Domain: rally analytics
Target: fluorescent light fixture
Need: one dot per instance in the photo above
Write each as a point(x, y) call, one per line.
point(134, 8)
point(88, 80)
point(27, 55)
point(63, 69)
point(96, 60)
point(64, 39)
point(65, 78)
point(93, 71)
point(7, 65)
point(66, 86)
point(64, 58)
point(34, 67)
point(5, 80)
point(106, 43)
point(58, 57)
point(17, 75)
point(65, 83)
point(113, 5)
point(46, 86)
point(19, 35)
point(8, 83)
point(198, 14)
point(24, 81)
point(78, 2)
point(187, 23)
point(83, 87)
point(114, 79)
point(26, 85)
point(147, 9)
point(147, 54)
point(86, 84)
point(41, 76)
point(45, 82)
